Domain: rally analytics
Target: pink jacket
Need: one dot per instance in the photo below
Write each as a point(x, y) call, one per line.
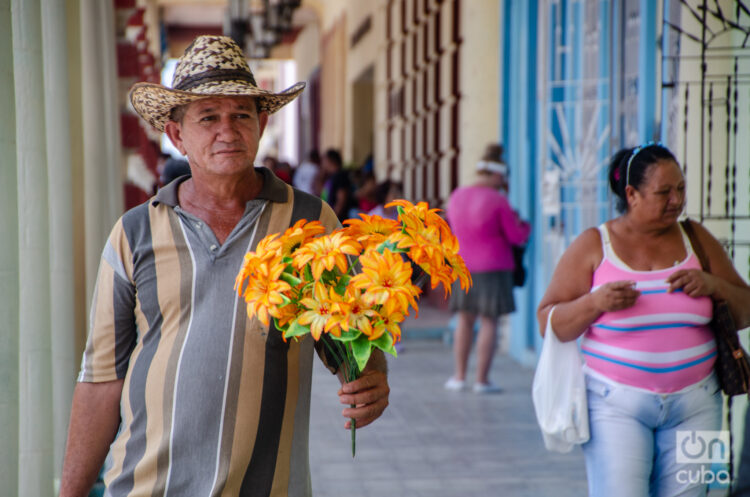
point(486, 227)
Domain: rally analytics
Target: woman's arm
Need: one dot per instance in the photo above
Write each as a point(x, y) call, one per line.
point(515, 229)
point(569, 291)
point(723, 283)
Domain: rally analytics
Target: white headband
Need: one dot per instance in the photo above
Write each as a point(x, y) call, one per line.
point(493, 167)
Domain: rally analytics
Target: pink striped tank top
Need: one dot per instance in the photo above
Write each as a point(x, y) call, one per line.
point(662, 343)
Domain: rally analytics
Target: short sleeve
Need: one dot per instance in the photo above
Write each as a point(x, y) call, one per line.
point(112, 331)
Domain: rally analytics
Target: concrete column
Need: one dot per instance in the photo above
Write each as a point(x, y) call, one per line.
point(97, 116)
point(35, 476)
point(9, 282)
point(62, 303)
point(111, 106)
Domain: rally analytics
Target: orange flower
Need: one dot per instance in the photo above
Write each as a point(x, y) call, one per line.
point(389, 323)
point(287, 314)
point(371, 230)
point(326, 252)
point(357, 313)
point(297, 235)
point(386, 279)
point(265, 291)
point(267, 249)
point(322, 312)
point(459, 270)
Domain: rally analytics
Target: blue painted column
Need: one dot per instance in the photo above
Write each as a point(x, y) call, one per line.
point(519, 135)
point(647, 83)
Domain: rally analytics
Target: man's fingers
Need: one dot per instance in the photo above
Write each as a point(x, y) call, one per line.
point(365, 414)
point(369, 379)
point(364, 397)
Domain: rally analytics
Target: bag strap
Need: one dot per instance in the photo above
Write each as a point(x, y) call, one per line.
point(687, 225)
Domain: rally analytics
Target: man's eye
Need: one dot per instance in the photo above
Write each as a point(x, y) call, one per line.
point(242, 116)
point(207, 118)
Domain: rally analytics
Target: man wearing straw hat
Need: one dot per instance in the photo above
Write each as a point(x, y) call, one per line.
point(187, 395)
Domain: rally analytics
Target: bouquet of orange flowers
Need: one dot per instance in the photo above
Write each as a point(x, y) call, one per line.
point(306, 282)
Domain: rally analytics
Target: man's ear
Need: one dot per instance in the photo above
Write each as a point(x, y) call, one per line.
point(174, 132)
point(262, 121)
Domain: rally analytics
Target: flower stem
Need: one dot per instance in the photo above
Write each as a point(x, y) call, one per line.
point(354, 434)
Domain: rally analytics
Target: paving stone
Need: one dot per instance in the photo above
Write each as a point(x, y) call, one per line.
point(430, 442)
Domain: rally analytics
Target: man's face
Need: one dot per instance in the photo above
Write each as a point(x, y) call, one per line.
point(219, 135)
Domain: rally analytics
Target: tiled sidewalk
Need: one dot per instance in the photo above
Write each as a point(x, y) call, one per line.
point(434, 443)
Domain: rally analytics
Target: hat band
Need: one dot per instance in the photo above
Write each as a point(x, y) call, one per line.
point(493, 167)
point(217, 75)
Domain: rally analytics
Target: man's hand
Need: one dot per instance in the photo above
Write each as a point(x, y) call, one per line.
point(369, 393)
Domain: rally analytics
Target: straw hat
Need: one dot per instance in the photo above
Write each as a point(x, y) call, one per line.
point(492, 160)
point(211, 66)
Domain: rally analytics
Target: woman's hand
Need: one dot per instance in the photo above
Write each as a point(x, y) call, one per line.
point(615, 296)
point(694, 282)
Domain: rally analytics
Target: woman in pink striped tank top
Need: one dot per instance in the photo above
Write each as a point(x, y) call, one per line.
point(634, 291)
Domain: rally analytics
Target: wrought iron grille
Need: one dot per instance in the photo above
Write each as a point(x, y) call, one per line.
point(706, 113)
point(576, 120)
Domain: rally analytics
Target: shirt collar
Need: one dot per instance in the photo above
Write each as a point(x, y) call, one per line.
point(273, 189)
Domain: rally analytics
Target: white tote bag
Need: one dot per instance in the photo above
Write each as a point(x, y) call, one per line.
point(559, 393)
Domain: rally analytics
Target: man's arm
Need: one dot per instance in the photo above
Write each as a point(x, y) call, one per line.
point(94, 420)
point(369, 393)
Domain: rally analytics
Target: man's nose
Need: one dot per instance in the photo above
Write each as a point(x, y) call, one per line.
point(227, 127)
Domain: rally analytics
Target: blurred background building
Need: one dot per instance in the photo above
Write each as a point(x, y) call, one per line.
point(418, 87)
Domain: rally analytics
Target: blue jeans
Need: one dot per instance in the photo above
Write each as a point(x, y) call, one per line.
point(632, 451)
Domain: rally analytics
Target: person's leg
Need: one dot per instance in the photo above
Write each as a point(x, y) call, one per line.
point(462, 341)
point(742, 486)
point(620, 451)
point(486, 345)
point(684, 414)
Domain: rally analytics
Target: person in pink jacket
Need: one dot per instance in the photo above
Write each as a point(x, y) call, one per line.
point(487, 228)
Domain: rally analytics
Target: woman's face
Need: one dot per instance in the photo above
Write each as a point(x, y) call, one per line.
point(661, 197)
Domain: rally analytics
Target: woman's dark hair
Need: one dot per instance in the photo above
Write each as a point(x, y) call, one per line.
point(640, 159)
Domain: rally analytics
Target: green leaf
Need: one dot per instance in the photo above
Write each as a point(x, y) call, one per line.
point(295, 329)
point(290, 278)
point(385, 343)
point(361, 349)
point(347, 336)
point(387, 246)
point(342, 284)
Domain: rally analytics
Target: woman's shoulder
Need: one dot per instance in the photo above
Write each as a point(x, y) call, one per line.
point(586, 248)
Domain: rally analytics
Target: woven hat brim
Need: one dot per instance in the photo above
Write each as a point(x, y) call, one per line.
point(154, 102)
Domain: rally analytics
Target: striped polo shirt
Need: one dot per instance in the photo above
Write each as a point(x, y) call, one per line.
point(663, 342)
point(213, 403)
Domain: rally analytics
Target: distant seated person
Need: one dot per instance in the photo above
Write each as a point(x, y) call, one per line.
point(386, 192)
point(337, 186)
point(283, 171)
point(306, 173)
point(366, 194)
point(173, 168)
